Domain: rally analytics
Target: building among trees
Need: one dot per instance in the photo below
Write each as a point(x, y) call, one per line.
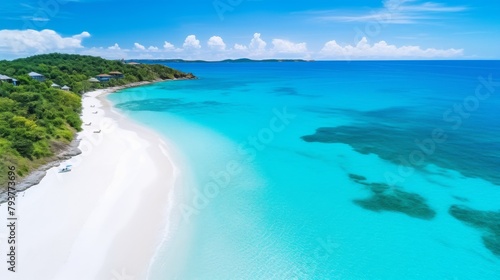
point(116, 75)
point(103, 77)
point(36, 76)
point(7, 79)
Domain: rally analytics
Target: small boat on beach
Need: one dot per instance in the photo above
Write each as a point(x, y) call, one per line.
point(65, 169)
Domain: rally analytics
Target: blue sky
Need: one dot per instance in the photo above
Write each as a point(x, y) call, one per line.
point(218, 29)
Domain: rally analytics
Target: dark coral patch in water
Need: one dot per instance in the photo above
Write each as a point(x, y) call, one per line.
point(487, 221)
point(492, 242)
point(285, 91)
point(290, 91)
point(378, 188)
point(212, 84)
point(166, 104)
point(385, 198)
point(409, 137)
point(459, 198)
point(357, 178)
point(387, 142)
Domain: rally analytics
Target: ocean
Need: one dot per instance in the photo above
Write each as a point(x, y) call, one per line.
point(329, 170)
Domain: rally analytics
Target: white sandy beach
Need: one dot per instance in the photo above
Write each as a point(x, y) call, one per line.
point(105, 218)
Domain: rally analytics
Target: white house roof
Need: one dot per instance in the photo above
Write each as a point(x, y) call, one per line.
point(55, 85)
point(33, 74)
point(3, 77)
point(93, 80)
point(65, 87)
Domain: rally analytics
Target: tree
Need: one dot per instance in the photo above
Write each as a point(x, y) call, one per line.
point(24, 147)
point(34, 116)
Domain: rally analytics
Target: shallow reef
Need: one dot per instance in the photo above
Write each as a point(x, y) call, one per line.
point(411, 142)
point(387, 198)
point(486, 221)
point(165, 104)
point(357, 178)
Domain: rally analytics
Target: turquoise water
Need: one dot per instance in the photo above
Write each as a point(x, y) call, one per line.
point(330, 170)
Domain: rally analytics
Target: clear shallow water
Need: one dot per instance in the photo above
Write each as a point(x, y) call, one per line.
point(318, 171)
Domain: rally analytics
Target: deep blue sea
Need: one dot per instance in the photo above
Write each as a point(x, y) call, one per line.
point(330, 170)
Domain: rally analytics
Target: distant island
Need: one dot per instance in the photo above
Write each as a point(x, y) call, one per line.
point(240, 60)
point(40, 103)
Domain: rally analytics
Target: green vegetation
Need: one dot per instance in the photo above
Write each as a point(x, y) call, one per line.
point(37, 121)
point(75, 70)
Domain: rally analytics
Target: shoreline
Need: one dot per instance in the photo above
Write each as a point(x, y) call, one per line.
point(34, 177)
point(108, 216)
point(72, 150)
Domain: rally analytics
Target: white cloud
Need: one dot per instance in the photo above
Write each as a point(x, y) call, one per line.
point(16, 43)
point(168, 46)
point(396, 12)
point(239, 47)
point(33, 18)
point(382, 50)
point(138, 46)
point(216, 43)
point(82, 36)
point(114, 47)
point(284, 46)
point(257, 43)
point(191, 42)
point(47, 40)
point(424, 7)
point(258, 49)
point(109, 52)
